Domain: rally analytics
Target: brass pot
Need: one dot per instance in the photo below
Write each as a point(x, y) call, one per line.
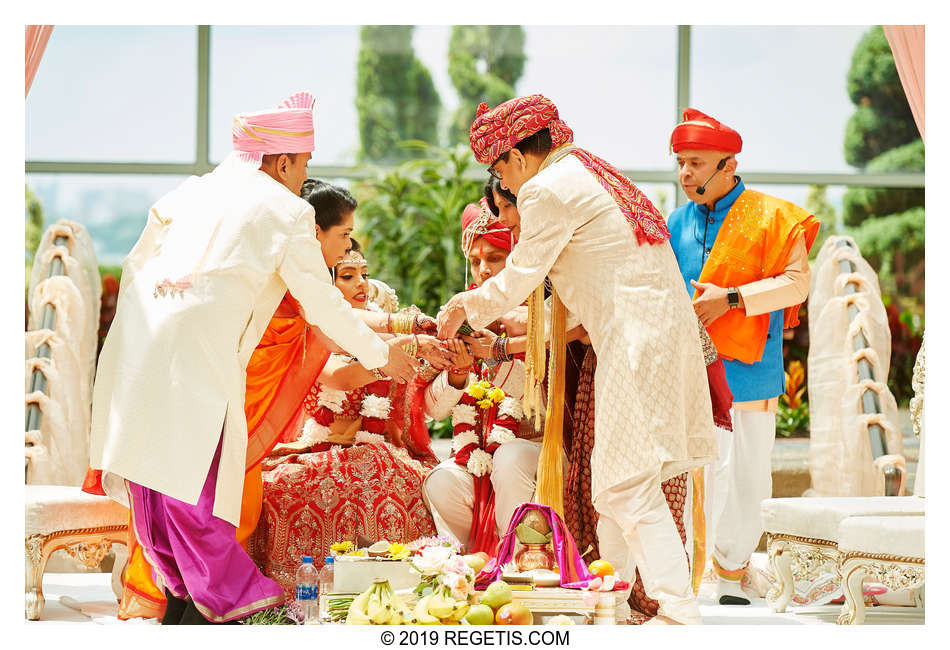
point(534, 556)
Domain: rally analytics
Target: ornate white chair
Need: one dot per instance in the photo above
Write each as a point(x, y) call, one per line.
point(890, 550)
point(802, 534)
point(64, 517)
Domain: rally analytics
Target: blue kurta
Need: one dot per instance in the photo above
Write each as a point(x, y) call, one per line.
point(694, 228)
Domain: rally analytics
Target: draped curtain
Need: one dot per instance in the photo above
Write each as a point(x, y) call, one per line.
point(907, 45)
point(36, 38)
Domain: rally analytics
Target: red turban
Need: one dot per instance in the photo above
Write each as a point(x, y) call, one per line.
point(478, 221)
point(699, 131)
point(497, 130)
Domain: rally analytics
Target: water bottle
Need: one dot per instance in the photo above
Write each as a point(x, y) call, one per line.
point(325, 588)
point(307, 590)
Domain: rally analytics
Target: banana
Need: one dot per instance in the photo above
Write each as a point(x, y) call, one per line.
point(440, 606)
point(356, 614)
point(461, 610)
point(421, 615)
point(374, 607)
point(383, 614)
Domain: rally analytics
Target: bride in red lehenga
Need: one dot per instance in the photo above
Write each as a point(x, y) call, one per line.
point(356, 465)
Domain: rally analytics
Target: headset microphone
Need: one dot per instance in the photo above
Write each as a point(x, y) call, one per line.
point(702, 188)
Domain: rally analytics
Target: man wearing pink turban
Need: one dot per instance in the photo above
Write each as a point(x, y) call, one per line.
point(198, 289)
point(605, 248)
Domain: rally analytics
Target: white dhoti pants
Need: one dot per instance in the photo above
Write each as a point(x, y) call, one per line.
point(736, 485)
point(449, 490)
point(635, 530)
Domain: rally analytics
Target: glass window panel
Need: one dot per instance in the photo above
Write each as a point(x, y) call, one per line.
point(117, 93)
point(112, 207)
point(782, 87)
point(253, 68)
point(614, 86)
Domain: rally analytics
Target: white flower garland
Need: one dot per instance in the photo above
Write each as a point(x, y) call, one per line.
point(479, 462)
point(501, 435)
point(511, 406)
point(367, 437)
point(463, 439)
point(375, 406)
point(463, 414)
point(331, 398)
point(314, 432)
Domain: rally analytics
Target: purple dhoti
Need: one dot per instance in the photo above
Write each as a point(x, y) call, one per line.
point(197, 554)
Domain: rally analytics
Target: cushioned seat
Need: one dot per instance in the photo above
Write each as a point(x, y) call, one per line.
point(889, 550)
point(820, 517)
point(65, 517)
point(896, 536)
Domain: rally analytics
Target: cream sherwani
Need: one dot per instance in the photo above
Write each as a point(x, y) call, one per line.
point(652, 397)
point(171, 377)
point(653, 416)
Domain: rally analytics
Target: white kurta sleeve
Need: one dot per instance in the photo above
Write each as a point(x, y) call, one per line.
point(546, 228)
point(144, 248)
point(441, 396)
point(307, 278)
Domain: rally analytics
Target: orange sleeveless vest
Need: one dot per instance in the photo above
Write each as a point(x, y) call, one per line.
point(754, 242)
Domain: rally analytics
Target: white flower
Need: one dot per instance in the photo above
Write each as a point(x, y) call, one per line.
point(432, 559)
point(459, 587)
point(511, 406)
point(462, 440)
point(501, 435)
point(463, 414)
point(479, 463)
point(375, 406)
point(331, 398)
point(367, 437)
point(457, 565)
point(314, 433)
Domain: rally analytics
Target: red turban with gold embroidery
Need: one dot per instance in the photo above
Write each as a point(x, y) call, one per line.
point(497, 130)
point(702, 132)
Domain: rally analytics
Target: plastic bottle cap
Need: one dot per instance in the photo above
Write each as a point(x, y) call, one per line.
point(307, 558)
point(329, 559)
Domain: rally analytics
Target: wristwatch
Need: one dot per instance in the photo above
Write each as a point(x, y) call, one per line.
point(733, 295)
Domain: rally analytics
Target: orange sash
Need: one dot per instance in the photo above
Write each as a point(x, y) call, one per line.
point(281, 370)
point(754, 242)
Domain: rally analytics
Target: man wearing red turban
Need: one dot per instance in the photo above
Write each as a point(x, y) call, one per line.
point(745, 255)
point(604, 247)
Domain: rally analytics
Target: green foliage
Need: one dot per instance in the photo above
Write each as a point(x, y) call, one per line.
point(283, 615)
point(818, 204)
point(792, 422)
point(883, 119)
point(485, 62)
point(862, 203)
point(409, 223)
point(34, 225)
point(907, 333)
point(396, 99)
point(440, 428)
point(870, 133)
point(873, 78)
point(894, 246)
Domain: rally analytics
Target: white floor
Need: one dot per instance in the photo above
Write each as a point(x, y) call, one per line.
point(88, 598)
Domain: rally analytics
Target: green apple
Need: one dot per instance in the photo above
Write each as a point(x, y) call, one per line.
point(480, 615)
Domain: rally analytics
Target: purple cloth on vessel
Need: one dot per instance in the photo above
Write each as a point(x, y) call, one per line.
point(197, 554)
point(574, 573)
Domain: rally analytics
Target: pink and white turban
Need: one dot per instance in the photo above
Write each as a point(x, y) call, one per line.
point(287, 129)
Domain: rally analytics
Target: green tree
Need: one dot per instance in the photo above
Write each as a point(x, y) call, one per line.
point(485, 62)
point(818, 204)
point(411, 214)
point(396, 99)
point(34, 224)
point(881, 137)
